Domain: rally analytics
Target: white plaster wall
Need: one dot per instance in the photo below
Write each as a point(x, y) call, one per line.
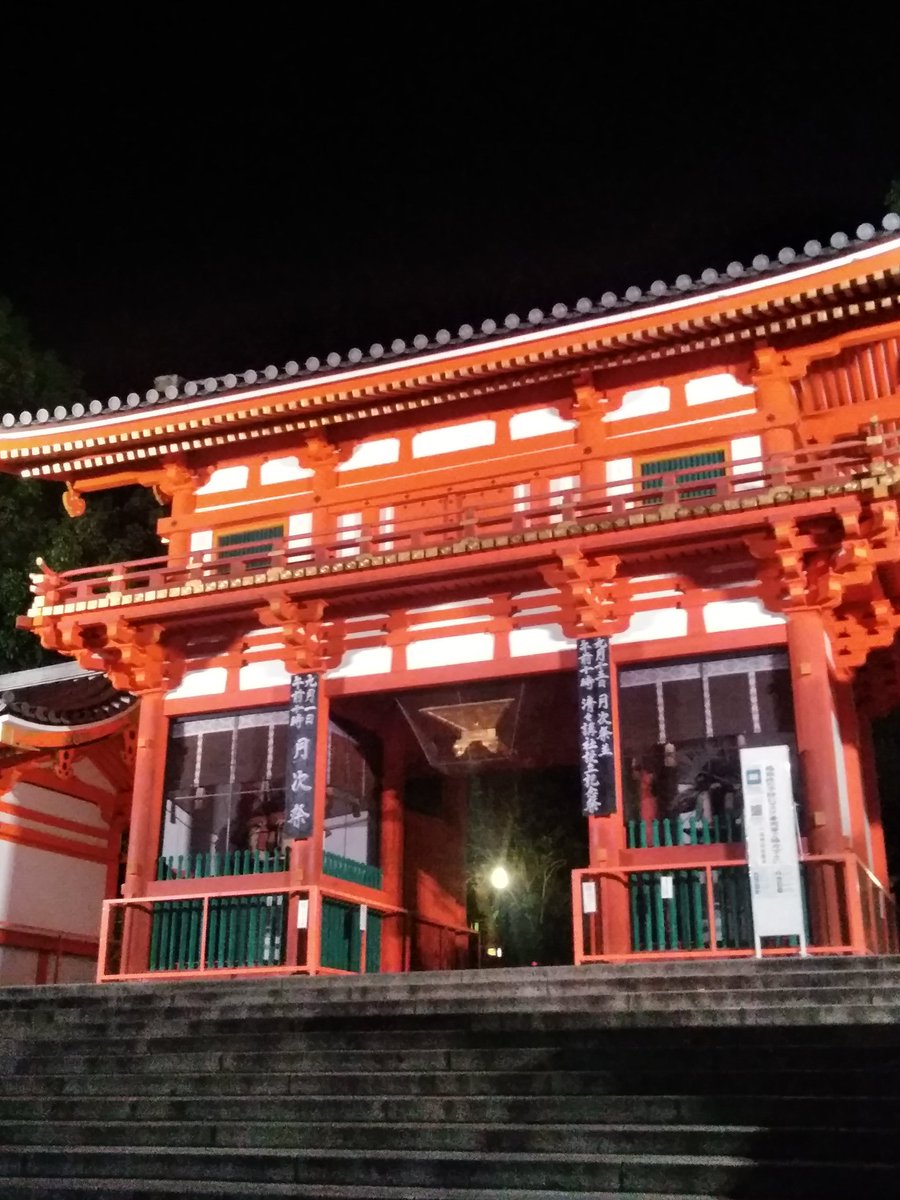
point(271, 673)
point(56, 804)
point(538, 639)
point(283, 470)
point(721, 616)
point(448, 651)
point(452, 438)
point(88, 772)
point(372, 454)
point(538, 422)
point(653, 624)
point(618, 469)
point(208, 681)
point(746, 459)
point(225, 479)
point(50, 891)
point(706, 389)
point(201, 540)
point(366, 660)
point(641, 402)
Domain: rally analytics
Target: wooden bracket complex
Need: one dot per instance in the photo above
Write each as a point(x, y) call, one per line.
point(595, 600)
point(134, 657)
point(302, 631)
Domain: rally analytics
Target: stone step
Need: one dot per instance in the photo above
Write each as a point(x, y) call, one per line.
point(399, 988)
point(405, 1032)
point(729, 973)
point(284, 1054)
point(154, 1189)
point(802, 1002)
point(874, 1145)
point(776, 1110)
point(798, 1179)
point(136, 1060)
point(667, 1078)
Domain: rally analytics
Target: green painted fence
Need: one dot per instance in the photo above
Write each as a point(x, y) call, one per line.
point(681, 921)
point(242, 931)
point(211, 866)
point(341, 937)
point(677, 831)
point(338, 867)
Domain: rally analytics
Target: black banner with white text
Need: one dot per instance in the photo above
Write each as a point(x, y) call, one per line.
point(300, 777)
point(597, 737)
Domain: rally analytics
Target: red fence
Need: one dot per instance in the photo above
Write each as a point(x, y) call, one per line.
point(630, 914)
point(268, 931)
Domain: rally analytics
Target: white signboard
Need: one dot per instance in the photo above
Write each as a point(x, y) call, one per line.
point(773, 844)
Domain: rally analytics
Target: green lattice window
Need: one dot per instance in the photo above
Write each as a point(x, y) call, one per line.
point(688, 470)
point(261, 540)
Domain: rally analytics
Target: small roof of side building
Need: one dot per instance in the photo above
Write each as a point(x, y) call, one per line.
point(51, 708)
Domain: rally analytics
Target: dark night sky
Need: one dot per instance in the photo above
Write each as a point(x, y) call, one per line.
point(201, 207)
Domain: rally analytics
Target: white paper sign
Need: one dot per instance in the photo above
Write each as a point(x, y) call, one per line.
point(363, 917)
point(773, 844)
point(588, 896)
point(666, 887)
point(302, 914)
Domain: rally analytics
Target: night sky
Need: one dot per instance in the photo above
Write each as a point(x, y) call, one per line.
point(202, 206)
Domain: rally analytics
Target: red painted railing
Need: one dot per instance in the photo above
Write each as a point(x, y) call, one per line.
point(628, 914)
point(283, 923)
point(467, 517)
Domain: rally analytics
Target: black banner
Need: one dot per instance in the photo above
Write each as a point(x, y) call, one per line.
point(300, 776)
point(598, 775)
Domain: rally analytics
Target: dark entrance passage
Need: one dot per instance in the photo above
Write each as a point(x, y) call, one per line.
point(524, 830)
point(497, 761)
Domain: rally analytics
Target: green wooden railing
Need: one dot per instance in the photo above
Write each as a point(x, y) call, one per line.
point(211, 866)
point(674, 831)
point(338, 867)
point(341, 937)
point(242, 931)
point(681, 920)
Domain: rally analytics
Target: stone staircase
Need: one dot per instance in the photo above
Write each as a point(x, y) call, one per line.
point(736, 1079)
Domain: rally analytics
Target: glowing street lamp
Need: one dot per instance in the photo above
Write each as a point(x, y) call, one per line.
point(499, 878)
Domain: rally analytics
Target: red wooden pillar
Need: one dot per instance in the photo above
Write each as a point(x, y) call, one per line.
point(144, 826)
point(850, 738)
point(815, 720)
point(826, 797)
point(872, 798)
point(392, 849)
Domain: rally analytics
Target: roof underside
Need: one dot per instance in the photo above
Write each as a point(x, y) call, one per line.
point(62, 698)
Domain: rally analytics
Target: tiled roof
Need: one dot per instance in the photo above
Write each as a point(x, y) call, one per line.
point(63, 696)
point(169, 388)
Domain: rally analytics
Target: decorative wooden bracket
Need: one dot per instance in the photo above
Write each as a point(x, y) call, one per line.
point(594, 599)
point(322, 458)
point(176, 479)
point(589, 408)
point(73, 501)
point(782, 571)
point(302, 631)
point(854, 635)
point(134, 657)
